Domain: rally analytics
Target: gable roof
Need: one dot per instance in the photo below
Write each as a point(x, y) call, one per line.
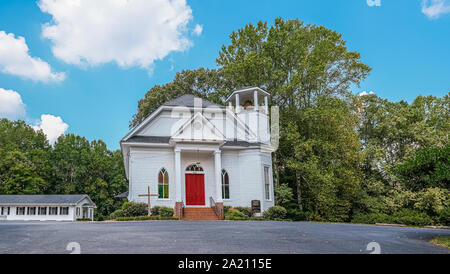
point(188, 100)
point(70, 199)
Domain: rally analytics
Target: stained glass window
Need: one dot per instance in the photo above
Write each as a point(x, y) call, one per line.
point(163, 184)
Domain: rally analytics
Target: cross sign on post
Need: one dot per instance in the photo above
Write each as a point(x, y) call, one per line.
point(148, 195)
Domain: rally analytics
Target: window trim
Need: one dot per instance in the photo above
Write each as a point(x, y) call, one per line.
point(29, 209)
point(39, 210)
point(50, 210)
point(61, 210)
point(20, 208)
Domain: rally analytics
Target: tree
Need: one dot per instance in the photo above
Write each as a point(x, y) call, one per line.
point(24, 159)
point(328, 160)
point(427, 168)
point(299, 64)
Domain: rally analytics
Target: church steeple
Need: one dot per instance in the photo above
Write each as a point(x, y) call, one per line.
point(249, 108)
point(249, 99)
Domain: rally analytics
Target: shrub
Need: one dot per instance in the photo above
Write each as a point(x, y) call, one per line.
point(116, 214)
point(132, 209)
point(275, 212)
point(295, 214)
point(444, 216)
point(145, 218)
point(246, 210)
point(234, 214)
point(84, 220)
point(225, 209)
point(283, 195)
point(165, 211)
point(432, 200)
point(411, 217)
point(372, 218)
point(404, 216)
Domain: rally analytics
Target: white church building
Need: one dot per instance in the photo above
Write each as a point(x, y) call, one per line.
point(198, 156)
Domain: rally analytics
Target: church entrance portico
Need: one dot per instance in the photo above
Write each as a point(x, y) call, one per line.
point(197, 176)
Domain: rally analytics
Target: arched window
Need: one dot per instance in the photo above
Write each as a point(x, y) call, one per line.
point(225, 185)
point(163, 184)
point(194, 167)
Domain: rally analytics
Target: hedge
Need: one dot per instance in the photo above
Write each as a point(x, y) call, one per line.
point(145, 218)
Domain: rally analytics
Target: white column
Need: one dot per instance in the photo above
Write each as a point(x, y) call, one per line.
point(266, 104)
point(218, 168)
point(255, 100)
point(238, 108)
point(178, 174)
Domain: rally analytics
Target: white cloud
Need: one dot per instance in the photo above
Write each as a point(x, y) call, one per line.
point(198, 30)
point(11, 105)
point(15, 60)
point(433, 9)
point(127, 32)
point(364, 93)
point(52, 126)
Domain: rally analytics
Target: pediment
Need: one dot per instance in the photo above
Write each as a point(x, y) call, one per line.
point(198, 128)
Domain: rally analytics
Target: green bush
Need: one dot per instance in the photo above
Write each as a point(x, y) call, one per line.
point(275, 212)
point(116, 214)
point(132, 209)
point(295, 214)
point(444, 216)
point(234, 214)
point(246, 210)
point(404, 216)
point(411, 217)
point(165, 212)
point(225, 209)
point(162, 211)
point(145, 218)
point(372, 218)
point(283, 195)
point(84, 220)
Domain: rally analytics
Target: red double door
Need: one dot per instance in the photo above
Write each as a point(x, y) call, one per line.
point(195, 189)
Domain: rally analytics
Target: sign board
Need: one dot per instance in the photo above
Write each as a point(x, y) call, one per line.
point(256, 206)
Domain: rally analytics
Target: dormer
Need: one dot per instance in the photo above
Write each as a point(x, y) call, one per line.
point(249, 99)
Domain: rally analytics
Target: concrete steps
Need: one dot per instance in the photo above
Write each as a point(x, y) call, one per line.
point(199, 214)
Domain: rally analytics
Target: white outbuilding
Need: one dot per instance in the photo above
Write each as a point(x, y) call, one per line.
point(46, 207)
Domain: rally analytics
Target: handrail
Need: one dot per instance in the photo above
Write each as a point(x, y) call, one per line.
point(217, 210)
point(182, 209)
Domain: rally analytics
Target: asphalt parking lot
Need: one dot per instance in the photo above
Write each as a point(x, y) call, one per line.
point(230, 237)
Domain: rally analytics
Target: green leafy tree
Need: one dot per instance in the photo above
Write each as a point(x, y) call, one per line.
point(298, 64)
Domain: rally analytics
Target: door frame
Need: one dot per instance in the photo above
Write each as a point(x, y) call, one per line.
point(204, 187)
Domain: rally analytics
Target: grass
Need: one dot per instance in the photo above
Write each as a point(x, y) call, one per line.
point(442, 241)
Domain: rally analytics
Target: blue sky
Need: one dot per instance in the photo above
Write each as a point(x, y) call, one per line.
point(96, 94)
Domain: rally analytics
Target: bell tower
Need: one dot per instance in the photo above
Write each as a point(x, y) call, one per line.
point(251, 105)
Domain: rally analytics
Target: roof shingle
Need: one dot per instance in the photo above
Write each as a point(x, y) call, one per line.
point(187, 100)
point(69, 199)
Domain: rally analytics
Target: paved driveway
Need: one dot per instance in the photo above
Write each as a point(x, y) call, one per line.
point(236, 237)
